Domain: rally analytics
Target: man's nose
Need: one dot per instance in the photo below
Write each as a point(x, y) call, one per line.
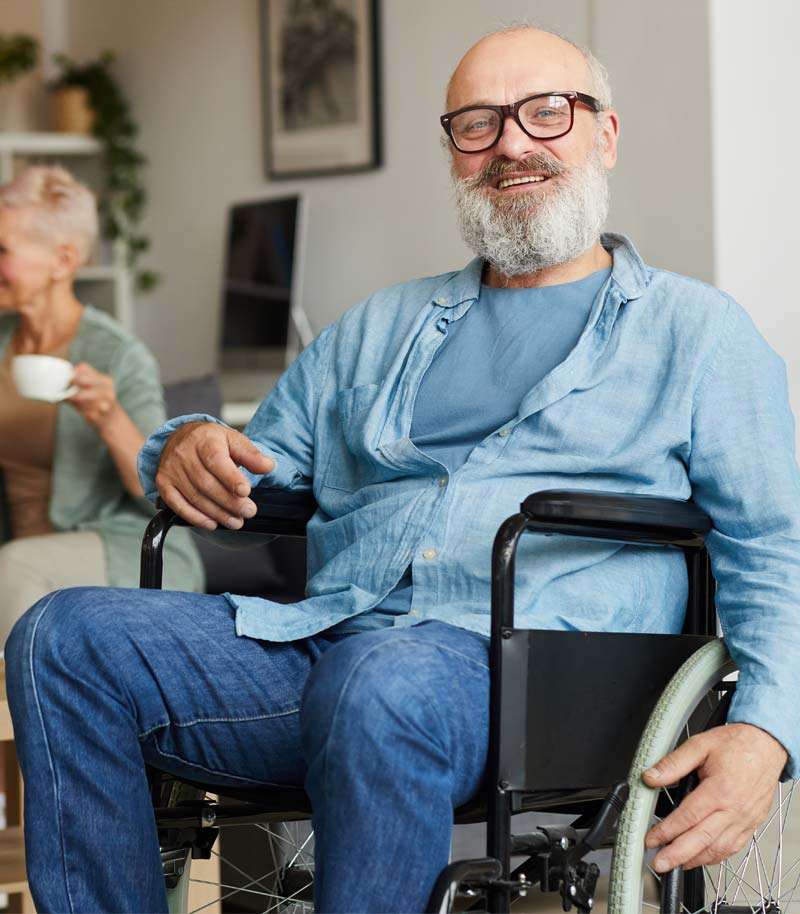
point(514, 143)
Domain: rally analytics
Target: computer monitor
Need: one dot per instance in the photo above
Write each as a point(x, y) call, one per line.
point(263, 321)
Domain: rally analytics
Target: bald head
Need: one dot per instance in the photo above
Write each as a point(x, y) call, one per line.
point(520, 62)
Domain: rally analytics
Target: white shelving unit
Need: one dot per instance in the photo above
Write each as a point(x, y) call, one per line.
point(107, 285)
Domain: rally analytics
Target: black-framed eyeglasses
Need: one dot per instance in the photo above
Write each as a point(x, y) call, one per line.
point(546, 116)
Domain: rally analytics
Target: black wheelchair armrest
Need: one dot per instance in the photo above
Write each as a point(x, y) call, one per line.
point(643, 519)
point(280, 512)
point(610, 515)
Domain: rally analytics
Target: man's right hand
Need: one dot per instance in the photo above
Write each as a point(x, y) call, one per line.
point(198, 475)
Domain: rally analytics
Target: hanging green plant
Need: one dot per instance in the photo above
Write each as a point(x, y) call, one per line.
point(18, 55)
point(122, 202)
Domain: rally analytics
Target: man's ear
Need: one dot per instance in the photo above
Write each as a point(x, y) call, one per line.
point(610, 137)
point(67, 261)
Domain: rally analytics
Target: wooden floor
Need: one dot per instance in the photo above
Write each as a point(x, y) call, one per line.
point(13, 881)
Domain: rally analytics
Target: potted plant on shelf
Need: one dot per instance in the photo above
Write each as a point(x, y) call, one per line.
point(123, 198)
point(18, 55)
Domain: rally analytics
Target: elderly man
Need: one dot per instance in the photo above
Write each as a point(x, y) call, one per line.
point(421, 419)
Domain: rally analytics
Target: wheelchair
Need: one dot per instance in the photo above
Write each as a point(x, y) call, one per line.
point(575, 719)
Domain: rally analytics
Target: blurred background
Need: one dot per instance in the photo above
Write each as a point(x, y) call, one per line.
point(705, 184)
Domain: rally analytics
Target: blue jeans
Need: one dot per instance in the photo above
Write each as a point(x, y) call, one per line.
point(387, 730)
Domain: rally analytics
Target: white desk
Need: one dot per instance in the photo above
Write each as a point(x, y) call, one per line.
point(238, 413)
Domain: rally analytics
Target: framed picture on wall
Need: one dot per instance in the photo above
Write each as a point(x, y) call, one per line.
point(321, 87)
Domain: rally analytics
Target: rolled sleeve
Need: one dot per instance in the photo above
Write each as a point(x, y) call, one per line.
point(285, 425)
point(150, 454)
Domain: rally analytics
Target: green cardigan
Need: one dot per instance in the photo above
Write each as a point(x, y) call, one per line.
point(87, 492)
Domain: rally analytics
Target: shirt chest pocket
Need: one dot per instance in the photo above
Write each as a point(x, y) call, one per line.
point(351, 460)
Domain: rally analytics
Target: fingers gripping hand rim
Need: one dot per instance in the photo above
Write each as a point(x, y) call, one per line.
point(686, 689)
point(732, 799)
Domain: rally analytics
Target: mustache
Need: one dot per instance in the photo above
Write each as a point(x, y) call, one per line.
point(500, 166)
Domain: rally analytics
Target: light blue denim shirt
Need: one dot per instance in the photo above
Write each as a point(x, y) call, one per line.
point(669, 391)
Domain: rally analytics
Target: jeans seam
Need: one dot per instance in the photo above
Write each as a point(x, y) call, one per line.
point(213, 771)
point(215, 720)
point(56, 792)
point(339, 700)
point(449, 650)
point(352, 673)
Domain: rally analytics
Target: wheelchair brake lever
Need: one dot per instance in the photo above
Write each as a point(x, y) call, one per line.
point(557, 853)
point(606, 819)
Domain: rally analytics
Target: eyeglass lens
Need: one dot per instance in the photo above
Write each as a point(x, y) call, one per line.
point(540, 118)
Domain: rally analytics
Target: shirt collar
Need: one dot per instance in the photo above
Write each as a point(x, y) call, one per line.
point(629, 272)
point(461, 287)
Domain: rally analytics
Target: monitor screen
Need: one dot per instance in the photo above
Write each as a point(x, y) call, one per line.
point(260, 282)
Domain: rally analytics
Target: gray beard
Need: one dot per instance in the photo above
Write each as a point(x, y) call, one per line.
point(521, 234)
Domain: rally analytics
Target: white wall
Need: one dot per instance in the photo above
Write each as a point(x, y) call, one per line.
point(756, 135)
point(657, 55)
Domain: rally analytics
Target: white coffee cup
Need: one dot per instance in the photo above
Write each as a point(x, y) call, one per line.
point(43, 377)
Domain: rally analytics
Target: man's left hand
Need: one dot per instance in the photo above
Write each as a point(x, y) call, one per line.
point(739, 766)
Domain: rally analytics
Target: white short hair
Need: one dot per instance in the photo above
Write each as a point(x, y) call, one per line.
point(64, 211)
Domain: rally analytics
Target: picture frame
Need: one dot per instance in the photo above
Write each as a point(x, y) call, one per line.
point(320, 87)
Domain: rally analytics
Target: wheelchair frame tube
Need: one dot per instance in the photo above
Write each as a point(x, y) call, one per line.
point(152, 562)
point(498, 843)
point(700, 614)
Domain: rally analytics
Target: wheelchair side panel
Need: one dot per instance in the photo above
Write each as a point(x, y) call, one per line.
point(574, 704)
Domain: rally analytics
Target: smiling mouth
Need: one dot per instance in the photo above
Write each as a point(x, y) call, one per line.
point(503, 183)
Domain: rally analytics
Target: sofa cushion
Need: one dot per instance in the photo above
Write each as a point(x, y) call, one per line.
point(194, 395)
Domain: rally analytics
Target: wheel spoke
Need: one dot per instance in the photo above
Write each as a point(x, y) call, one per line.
point(296, 858)
point(794, 888)
point(273, 873)
point(286, 898)
point(742, 868)
point(300, 850)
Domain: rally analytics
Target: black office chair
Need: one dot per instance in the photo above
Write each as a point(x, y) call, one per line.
point(613, 704)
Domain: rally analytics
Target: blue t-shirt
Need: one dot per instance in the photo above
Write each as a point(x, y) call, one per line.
point(479, 376)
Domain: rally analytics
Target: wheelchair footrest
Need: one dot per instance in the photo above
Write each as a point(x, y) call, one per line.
point(464, 877)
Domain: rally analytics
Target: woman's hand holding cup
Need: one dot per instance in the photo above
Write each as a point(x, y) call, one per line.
point(95, 398)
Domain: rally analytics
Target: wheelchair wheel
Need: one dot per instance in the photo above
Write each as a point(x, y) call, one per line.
point(277, 876)
point(763, 877)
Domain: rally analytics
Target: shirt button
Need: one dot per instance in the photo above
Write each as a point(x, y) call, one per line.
point(441, 301)
point(413, 612)
point(429, 553)
point(504, 432)
point(442, 482)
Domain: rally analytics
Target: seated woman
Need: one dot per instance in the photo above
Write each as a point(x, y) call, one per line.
point(74, 505)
